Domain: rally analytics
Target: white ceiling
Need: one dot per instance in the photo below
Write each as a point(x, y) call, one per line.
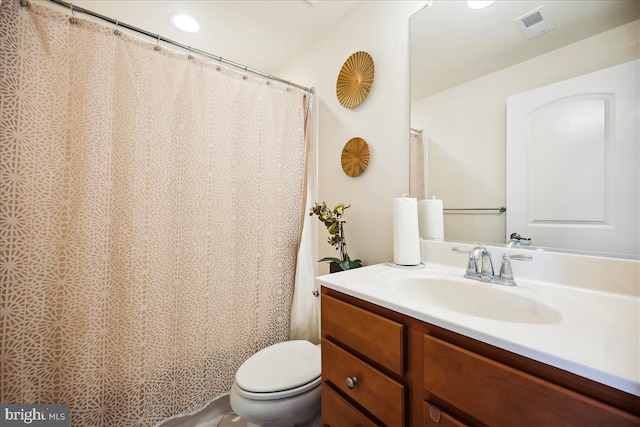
point(261, 34)
point(451, 43)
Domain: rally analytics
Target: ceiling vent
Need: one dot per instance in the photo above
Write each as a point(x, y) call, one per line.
point(534, 23)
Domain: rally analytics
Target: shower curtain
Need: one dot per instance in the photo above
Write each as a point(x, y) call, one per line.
point(418, 155)
point(151, 213)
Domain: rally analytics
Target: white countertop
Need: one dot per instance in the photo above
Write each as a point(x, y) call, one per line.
point(597, 335)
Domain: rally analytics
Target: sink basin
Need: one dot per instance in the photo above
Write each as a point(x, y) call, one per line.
point(475, 299)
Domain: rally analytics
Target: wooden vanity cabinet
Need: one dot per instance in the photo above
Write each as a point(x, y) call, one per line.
point(411, 373)
point(499, 395)
point(363, 363)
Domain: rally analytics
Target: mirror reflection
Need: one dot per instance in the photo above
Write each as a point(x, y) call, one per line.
point(471, 70)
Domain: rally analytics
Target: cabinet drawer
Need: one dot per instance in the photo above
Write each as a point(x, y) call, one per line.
point(498, 395)
point(439, 418)
point(383, 397)
point(378, 338)
point(337, 412)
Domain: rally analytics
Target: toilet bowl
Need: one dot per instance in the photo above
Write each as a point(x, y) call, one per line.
point(279, 385)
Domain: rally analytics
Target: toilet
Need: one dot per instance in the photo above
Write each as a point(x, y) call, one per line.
point(279, 385)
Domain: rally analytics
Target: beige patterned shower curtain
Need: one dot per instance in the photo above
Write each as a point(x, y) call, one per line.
point(418, 154)
point(150, 215)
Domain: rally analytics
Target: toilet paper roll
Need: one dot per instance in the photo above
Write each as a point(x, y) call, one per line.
point(431, 219)
point(406, 234)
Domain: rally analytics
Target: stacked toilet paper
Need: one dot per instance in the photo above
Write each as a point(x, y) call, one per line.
point(406, 236)
point(431, 219)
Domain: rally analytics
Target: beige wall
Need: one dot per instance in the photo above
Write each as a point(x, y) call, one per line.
point(380, 28)
point(466, 127)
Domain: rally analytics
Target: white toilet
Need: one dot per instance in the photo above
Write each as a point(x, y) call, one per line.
point(279, 385)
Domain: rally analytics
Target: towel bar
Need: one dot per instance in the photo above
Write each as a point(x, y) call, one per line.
point(501, 209)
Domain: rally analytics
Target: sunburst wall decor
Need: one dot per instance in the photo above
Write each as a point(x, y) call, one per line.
point(355, 79)
point(355, 157)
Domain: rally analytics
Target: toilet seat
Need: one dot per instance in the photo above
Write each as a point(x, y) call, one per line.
point(282, 370)
point(282, 394)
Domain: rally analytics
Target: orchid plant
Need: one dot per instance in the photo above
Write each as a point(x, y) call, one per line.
point(334, 221)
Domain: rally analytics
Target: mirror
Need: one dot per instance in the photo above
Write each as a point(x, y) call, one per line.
point(465, 63)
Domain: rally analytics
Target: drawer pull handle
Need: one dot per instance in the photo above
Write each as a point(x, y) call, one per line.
point(351, 382)
point(434, 413)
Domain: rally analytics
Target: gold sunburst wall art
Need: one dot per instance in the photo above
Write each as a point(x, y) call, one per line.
point(355, 79)
point(355, 157)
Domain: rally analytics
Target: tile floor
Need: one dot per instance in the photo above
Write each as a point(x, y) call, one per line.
point(218, 414)
point(208, 420)
point(231, 420)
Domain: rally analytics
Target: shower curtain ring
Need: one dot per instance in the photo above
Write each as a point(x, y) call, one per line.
point(116, 31)
point(157, 46)
point(219, 67)
point(245, 77)
point(288, 85)
point(190, 56)
point(73, 18)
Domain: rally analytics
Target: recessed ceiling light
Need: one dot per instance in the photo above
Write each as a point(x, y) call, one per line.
point(479, 4)
point(185, 22)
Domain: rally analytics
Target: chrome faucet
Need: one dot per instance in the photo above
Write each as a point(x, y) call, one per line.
point(480, 266)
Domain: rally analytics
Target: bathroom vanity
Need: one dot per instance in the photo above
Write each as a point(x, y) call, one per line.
point(395, 354)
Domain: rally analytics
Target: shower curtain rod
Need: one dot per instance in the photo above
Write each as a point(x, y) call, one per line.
point(159, 38)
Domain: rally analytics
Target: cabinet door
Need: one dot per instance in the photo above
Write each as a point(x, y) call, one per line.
point(337, 412)
point(501, 396)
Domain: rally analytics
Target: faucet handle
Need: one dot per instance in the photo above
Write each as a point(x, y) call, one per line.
point(506, 272)
point(517, 257)
point(460, 250)
point(472, 262)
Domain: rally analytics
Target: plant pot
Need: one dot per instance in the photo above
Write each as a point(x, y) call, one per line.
point(334, 267)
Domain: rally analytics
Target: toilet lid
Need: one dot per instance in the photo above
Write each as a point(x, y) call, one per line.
point(282, 366)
